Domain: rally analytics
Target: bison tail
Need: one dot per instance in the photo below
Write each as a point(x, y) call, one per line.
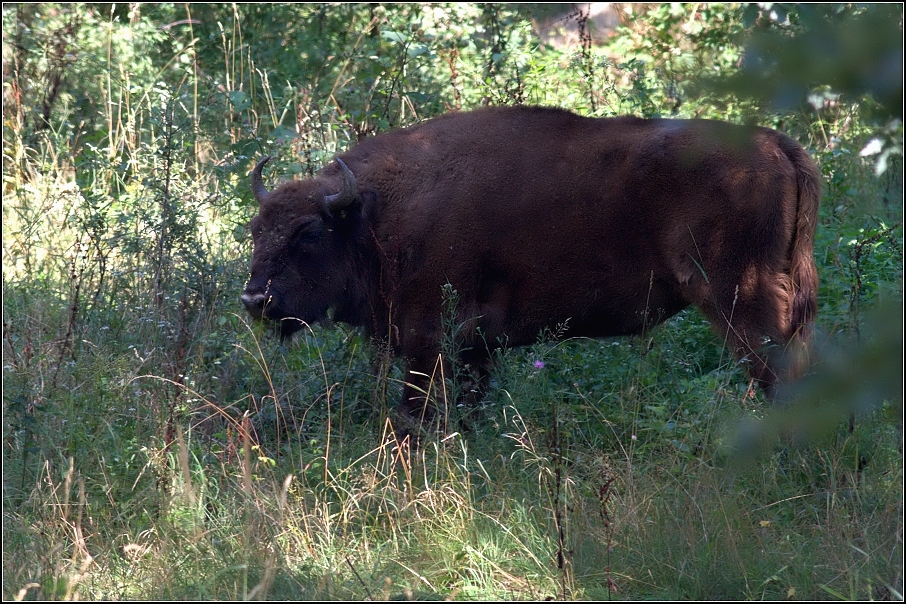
point(803, 273)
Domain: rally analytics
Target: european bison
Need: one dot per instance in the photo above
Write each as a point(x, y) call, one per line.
point(539, 217)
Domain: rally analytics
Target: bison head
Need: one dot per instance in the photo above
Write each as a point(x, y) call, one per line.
point(301, 264)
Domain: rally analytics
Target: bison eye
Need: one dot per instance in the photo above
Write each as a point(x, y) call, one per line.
point(309, 232)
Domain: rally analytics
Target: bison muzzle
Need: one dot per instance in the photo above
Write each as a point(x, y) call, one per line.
point(538, 217)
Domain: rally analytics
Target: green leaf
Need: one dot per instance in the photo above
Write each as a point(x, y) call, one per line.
point(239, 100)
point(418, 49)
point(246, 147)
point(282, 134)
point(419, 97)
point(394, 36)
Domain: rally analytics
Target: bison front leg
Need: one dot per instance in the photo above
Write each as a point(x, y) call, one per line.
point(436, 382)
point(429, 396)
point(424, 398)
point(420, 391)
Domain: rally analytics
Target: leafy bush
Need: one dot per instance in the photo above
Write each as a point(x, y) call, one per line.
point(158, 445)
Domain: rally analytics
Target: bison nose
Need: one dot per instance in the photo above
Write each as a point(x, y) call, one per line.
point(254, 303)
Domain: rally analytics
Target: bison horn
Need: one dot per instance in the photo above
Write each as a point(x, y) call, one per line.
point(347, 195)
point(258, 188)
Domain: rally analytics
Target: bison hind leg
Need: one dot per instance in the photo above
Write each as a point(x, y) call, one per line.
point(752, 314)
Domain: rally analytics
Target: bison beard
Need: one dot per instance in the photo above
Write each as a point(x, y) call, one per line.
point(538, 217)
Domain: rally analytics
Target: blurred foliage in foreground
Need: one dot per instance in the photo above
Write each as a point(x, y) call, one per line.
point(158, 446)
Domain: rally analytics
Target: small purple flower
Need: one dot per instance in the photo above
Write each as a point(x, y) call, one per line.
point(539, 364)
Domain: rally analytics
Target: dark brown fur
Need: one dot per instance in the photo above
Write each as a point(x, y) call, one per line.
point(539, 217)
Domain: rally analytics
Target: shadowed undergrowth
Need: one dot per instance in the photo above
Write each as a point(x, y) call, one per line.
point(157, 445)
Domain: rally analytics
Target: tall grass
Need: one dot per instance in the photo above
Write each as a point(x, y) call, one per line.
point(159, 446)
